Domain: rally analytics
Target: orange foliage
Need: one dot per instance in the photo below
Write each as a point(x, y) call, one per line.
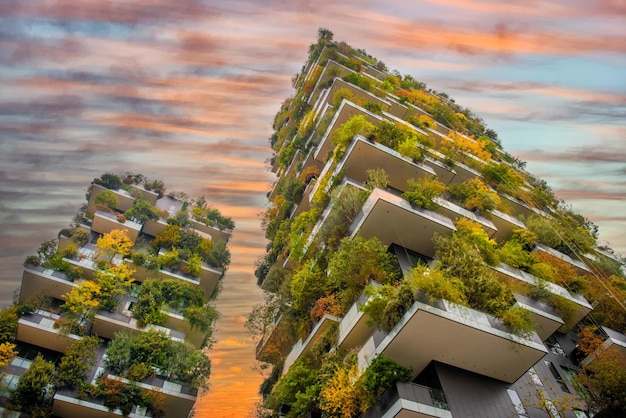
point(326, 305)
point(418, 96)
point(564, 272)
point(476, 148)
point(310, 84)
point(589, 341)
point(339, 397)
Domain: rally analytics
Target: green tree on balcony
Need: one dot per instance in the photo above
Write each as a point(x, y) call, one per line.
point(423, 191)
point(34, 389)
point(142, 211)
point(106, 201)
point(77, 362)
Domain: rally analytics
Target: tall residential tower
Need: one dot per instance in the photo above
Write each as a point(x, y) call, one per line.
point(415, 269)
point(113, 318)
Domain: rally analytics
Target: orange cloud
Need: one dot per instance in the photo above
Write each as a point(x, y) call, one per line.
point(500, 39)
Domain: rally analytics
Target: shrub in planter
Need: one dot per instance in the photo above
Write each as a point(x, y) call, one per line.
point(139, 259)
point(106, 201)
point(519, 321)
point(32, 260)
point(139, 372)
point(422, 192)
point(70, 251)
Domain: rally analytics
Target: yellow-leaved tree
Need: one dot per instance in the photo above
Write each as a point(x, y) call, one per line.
point(80, 306)
point(7, 353)
point(114, 281)
point(339, 396)
point(112, 243)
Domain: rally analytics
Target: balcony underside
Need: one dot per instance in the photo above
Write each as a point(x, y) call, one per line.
point(353, 328)
point(346, 111)
point(103, 223)
point(546, 321)
point(506, 225)
point(275, 345)
point(404, 408)
point(362, 152)
point(393, 220)
point(427, 333)
point(582, 307)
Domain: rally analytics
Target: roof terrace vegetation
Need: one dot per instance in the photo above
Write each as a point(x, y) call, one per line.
point(312, 268)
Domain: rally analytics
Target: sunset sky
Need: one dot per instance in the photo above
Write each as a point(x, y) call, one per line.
point(186, 91)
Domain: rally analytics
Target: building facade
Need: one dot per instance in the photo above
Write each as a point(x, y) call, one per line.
point(113, 317)
point(415, 269)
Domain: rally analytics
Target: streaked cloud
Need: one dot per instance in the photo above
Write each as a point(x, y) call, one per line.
point(186, 92)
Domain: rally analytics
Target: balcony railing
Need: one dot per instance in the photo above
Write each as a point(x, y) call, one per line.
point(423, 401)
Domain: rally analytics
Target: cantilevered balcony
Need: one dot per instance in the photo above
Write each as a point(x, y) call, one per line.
point(363, 154)
point(545, 319)
point(353, 328)
point(444, 173)
point(396, 108)
point(106, 324)
point(214, 230)
point(207, 280)
point(611, 340)
point(454, 212)
point(154, 227)
point(178, 398)
point(392, 219)
point(38, 329)
point(290, 261)
point(148, 195)
point(309, 162)
point(305, 203)
point(505, 225)
point(417, 112)
point(124, 199)
point(85, 261)
point(408, 400)
point(454, 335)
point(506, 272)
point(357, 92)
point(374, 72)
point(66, 403)
point(38, 280)
point(274, 344)
point(105, 222)
point(331, 70)
point(462, 171)
point(519, 208)
point(304, 347)
point(345, 111)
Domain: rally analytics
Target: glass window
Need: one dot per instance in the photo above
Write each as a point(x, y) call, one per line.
point(557, 377)
point(517, 402)
point(533, 375)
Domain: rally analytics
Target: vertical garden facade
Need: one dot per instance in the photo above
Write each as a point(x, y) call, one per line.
point(415, 269)
point(114, 318)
